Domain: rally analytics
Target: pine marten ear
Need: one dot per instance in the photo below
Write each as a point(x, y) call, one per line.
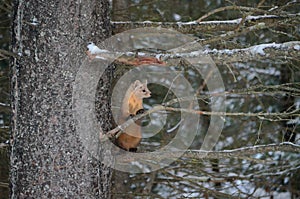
point(137, 83)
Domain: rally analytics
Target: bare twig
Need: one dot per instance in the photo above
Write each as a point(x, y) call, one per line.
point(245, 151)
point(260, 115)
point(5, 54)
point(4, 184)
point(279, 9)
point(238, 153)
point(234, 7)
point(202, 26)
point(255, 90)
point(3, 145)
point(231, 34)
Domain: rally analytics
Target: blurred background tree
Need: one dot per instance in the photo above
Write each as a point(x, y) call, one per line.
point(267, 82)
point(5, 16)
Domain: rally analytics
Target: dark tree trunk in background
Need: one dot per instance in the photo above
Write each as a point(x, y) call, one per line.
point(289, 127)
point(120, 13)
point(121, 10)
point(48, 159)
point(288, 103)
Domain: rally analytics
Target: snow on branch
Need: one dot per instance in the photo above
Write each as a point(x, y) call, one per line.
point(4, 104)
point(245, 151)
point(287, 50)
point(239, 153)
point(234, 7)
point(3, 145)
point(202, 26)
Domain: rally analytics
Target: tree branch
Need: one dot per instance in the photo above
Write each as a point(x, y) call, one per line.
point(4, 104)
point(245, 151)
point(4, 184)
point(260, 115)
point(238, 153)
point(234, 7)
point(3, 145)
point(202, 26)
point(286, 51)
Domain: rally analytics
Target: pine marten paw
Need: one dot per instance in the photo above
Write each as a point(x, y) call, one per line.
point(133, 150)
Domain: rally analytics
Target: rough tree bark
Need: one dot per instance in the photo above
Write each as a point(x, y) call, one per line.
point(48, 159)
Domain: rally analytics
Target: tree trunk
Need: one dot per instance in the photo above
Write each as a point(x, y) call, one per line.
point(48, 159)
point(120, 10)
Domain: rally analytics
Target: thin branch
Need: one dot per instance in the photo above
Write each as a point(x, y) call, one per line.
point(260, 4)
point(4, 104)
point(279, 9)
point(238, 153)
point(6, 54)
point(238, 32)
point(258, 90)
point(4, 184)
point(245, 151)
point(282, 89)
point(285, 51)
point(3, 145)
point(202, 26)
point(261, 115)
point(241, 8)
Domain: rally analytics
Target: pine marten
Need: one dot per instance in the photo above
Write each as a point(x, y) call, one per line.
point(132, 104)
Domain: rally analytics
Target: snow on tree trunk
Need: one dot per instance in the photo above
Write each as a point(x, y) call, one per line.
point(48, 159)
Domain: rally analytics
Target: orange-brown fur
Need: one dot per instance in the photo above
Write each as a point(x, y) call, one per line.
point(132, 102)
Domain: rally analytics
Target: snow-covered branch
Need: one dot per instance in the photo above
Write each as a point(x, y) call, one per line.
point(245, 151)
point(239, 153)
point(3, 145)
point(288, 50)
point(202, 26)
point(234, 7)
point(4, 104)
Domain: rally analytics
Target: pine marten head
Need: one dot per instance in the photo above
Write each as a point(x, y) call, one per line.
point(141, 90)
